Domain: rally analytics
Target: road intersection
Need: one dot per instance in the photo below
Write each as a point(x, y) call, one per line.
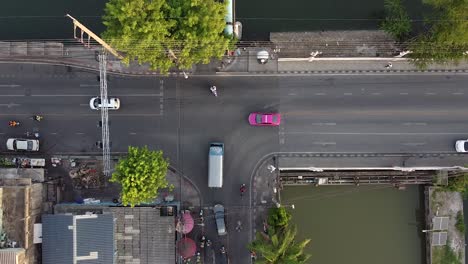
point(414, 113)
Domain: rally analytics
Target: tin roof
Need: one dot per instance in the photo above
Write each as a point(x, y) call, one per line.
point(84, 238)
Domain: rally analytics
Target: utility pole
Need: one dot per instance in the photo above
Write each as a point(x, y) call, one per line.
point(103, 88)
point(104, 114)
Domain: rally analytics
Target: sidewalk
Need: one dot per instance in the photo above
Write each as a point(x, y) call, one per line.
point(243, 61)
point(82, 178)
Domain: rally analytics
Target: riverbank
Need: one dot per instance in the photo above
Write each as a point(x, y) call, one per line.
point(445, 242)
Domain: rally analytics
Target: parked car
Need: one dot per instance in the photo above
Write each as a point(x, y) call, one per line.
point(461, 145)
point(219, 216)
point(264, 119)
point(112, 103)
point(20, 144)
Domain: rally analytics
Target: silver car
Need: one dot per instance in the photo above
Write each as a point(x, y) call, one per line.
point(112, 103)
point(461, 145)
point(219, 216)
point(20, 144)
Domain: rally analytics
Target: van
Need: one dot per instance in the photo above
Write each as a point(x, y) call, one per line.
point(215, 165)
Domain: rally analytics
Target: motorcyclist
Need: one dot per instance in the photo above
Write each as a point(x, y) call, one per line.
point(13, 123)
point(213, 90)
point(242, 189)
point(223, 250)
point(38, 117)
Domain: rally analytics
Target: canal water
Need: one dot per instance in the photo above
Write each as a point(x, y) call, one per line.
point(32, 19)
point(359, 225)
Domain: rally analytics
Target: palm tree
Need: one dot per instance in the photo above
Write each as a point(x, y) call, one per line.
point(280, 247)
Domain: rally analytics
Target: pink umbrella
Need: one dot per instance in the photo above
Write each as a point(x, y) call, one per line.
point(187, 247)
point(185, 225)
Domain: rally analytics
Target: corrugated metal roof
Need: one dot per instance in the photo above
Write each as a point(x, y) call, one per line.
point(10, 255)
point(93, 234)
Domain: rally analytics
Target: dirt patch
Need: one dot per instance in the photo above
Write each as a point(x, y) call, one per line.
point(443, 203)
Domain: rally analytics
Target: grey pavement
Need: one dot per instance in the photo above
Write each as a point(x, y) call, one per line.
point(361, 57)
point(387, 113)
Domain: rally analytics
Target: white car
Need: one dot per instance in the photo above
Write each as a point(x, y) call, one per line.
point(22, 144)
point(219, 216)
point(461, 145)
point(112, 103)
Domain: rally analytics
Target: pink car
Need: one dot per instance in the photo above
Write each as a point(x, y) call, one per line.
point(264, 119)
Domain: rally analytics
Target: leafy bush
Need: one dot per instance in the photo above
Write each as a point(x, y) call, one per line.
point(460, 223)
point(397, 22)
point(458, 184)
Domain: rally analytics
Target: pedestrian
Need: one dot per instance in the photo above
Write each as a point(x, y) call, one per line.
point(242, 189)
point(388, 66)
point(239, 226)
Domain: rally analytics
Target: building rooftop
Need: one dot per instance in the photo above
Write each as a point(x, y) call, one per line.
point(78, 239)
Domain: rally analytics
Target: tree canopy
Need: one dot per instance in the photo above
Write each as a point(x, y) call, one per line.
point(279, 245)
point(167, 33)
point(397, 22)
point(447, 37)
point(141, 173)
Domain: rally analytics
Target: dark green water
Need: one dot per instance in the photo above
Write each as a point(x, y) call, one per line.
point(33, 19)
point(359, 225)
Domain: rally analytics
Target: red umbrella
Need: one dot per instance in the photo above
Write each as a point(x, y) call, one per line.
point(185, 225)
point(187, 247)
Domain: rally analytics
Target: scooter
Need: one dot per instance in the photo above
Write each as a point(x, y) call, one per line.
point(213, 90)
point(14, 123)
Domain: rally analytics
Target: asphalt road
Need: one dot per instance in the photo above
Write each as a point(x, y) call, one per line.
point(358, 113)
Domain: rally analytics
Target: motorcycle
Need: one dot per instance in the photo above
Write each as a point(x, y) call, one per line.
point(213, 90)
point(38, 118)
point(242, 189)
point(13, 123)
point(202, 242)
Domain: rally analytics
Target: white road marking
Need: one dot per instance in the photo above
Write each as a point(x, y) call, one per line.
point(132, 133)
point(53, 133)
point(10, 85)
point(79, 133)
point(376, 93)
point(457, 93)
point(414, 144)
point(92, 95)
point(292, 94)
point(325, 143)
point(89, 85)
point(403, 93)
point(10, 105)
point(348, 93)
point(414, 124)
point(1, 133)
point(375, 134)
point(320, 93)
point(323, 124)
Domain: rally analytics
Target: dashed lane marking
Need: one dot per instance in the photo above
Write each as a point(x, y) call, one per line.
point(324, 143)
point(414, 144)
point(9, 85)
point(414, 124)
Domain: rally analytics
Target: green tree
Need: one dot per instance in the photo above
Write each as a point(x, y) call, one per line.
point(397, 22)
point(141, 174)
point(278, 217)
point(280, 247)
point(447, 37)
point(159, 31)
